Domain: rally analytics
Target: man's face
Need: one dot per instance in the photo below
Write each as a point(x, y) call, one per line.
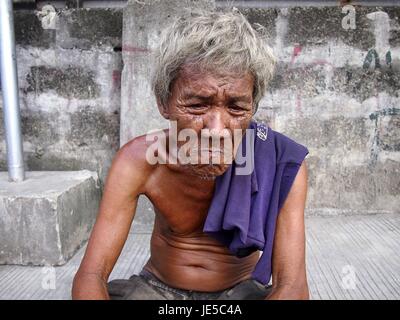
point(221, 103)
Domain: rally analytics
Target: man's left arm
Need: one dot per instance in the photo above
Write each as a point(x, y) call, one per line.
point(289, 279)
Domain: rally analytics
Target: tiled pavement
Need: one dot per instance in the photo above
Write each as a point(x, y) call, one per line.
point(348, 257)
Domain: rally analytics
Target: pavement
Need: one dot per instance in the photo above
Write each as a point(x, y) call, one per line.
point(348, 257)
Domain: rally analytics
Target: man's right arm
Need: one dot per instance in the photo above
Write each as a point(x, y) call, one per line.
point(125, 182)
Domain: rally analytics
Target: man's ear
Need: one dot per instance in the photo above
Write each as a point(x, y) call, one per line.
point(164, 110)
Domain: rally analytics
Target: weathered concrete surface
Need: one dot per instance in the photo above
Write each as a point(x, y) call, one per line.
point(47, 217)
point(354, 257)
point(142, 25)
point(336, 90)
point(69, 78)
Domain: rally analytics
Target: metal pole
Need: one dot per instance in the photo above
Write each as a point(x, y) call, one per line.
point(9, 84)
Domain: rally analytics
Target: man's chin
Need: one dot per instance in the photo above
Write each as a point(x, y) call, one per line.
point(207, 171)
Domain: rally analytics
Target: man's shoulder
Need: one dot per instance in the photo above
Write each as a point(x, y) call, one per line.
point(130, 163)
point(134, 153)
point(286, 148)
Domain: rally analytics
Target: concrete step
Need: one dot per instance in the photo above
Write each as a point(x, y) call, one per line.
point(47, 217)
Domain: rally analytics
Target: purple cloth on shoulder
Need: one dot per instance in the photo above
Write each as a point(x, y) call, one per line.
point(244, 208)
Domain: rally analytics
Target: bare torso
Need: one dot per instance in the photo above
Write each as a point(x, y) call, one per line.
point(182, 255)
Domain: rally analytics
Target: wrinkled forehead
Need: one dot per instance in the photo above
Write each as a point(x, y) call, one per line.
point(199, 79)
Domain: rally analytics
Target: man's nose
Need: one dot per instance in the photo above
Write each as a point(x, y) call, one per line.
point(216, 125)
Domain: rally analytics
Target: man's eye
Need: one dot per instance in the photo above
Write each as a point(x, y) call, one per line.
point(236, 108)
point(197, 107)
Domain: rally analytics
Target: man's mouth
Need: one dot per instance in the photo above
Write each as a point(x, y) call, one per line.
point(212, 151)
point(205, 155)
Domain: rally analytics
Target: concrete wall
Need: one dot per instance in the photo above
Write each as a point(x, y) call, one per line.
point(333, 95)
point(69, 66)
point(329, 93)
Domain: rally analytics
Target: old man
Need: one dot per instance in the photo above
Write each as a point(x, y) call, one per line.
point(211, 222)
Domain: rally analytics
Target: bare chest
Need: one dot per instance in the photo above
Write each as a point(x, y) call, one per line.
point(183, 205)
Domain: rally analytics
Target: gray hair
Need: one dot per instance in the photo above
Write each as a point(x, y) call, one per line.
point(213, 41)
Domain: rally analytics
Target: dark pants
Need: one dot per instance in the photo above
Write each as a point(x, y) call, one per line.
point(147, 286)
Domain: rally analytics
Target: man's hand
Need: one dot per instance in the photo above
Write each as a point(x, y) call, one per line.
point(125, 181)
point(289, 279)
